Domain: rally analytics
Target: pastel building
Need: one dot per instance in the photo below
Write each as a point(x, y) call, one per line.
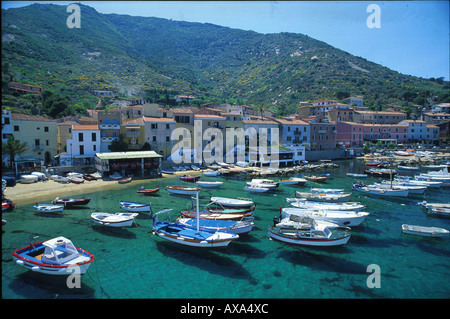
point(418, 131)
point(83, 145)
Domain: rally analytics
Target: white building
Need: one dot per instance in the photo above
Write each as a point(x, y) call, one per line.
point(294, 132)
point(83, 146)
point(420, 131)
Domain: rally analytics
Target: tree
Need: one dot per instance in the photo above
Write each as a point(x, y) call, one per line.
point(119, 145)
point(12, 148)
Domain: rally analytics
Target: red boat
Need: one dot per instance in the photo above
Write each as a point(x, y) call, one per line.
point(148, 191)
point(7, 205)
point(189, 178)
point(71, 201)
point(124, 180)
point(373, 164)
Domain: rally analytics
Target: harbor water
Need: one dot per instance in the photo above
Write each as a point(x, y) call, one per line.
point(132, 263)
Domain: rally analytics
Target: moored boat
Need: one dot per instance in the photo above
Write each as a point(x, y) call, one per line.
point(211, 173)
point(135, 206)
point(305, 204)
point(48, 208)
point(317, 179)
point(342, 218)
point(357, 175)
point(114, 220)
point(424, 231)
point(76, 180)
point(168, 171)
point(189, 178)
point(377, 191)
point(257, 188)
point(293, 181)
point(67, 202)
point(232, 202)
point(317, 197)
point(124, 180)
point(147, 191)
point(56, 256)
point(209, 184)
point(315, 235)
point(239, 227)
point(182, 190)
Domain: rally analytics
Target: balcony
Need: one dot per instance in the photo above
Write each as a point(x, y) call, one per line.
point(321, 131)
point(109, 139)
point(109, 126)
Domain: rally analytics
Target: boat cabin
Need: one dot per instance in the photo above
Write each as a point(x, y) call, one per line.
point(59, 251)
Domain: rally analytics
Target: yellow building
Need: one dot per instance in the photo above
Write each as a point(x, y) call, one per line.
point(39, 133)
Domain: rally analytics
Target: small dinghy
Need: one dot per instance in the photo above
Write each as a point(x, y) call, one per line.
point(147, 191)
point(182, 190)
point(135, 206)
point(48, 208)
point(189, 178)
point(424, 231)
point(124, 180)
point(114, 220)
point(209, 184)
point(53, 257)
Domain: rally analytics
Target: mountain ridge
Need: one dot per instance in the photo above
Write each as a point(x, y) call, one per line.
point(143, 55)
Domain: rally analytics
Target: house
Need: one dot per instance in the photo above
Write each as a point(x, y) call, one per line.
point(83, 145)
point(398, 132)
point(133, 131)
point(26, 88)
point(435, 118)
point(341, 114)
point(109, 124)
point(6, 125)
point(358, 102)
point(158, 131)
point(349, 134)
point(322, 134)
point(294, 131)
point(64, 133)
point(128, 163)
point(378, 117)
point(40, 133)
point(418, 131)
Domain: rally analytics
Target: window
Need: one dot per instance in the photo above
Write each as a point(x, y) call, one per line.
point(154, 138)
point(94, 137)
point(154, 126)
point(46, 142)
point(167, 138)
point(114, 122)
point(6, 121)
point(107, 122)
point(37, 142)
point(94, 148)
point(81, 149)
point(45, 128)
point(167, 126)
point(80, 137)
point(16, 128)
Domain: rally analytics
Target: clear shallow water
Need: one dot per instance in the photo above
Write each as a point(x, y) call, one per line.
point(133, 263)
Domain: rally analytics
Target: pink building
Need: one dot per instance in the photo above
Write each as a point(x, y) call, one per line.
point(351, 134)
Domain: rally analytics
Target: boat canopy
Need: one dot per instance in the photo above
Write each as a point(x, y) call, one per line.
point(59, 251)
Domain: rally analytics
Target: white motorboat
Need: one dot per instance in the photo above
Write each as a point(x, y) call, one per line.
point(211, 173)
point(309, 235)
point(293, 181)
point(41, 176)
point(412, 189)
point(377, 191)
point(116, 175)
point(257, 188)
point(435, 205)
point(305, 204)
point(48, 208)
point(242, 164)
point(357, 175)
point(327, 190)
point(232, 202)
point(316, 197)
point(59, 179)
point(135, 206)
point(114, 220)
point(263, 182)
point(408, 168)
point(28, 179)
point(209, 184)
point(424, 231)
point(342, 218)
point(405, 180)
point(182, 190)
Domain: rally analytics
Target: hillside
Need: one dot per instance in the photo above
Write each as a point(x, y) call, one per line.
point(158, 58)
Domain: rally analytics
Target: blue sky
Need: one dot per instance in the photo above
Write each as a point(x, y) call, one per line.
point(413, 37)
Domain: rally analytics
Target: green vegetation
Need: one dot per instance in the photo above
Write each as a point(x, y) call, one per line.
point(157, 59)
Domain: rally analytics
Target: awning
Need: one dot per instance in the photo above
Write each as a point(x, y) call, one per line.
point(128, 155)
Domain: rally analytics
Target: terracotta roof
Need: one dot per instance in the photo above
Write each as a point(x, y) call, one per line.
point(209, 116)
point(158, 119)
point(90, 127)
point(25, 117)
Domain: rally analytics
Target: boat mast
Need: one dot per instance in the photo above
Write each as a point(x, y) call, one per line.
point(198, 222)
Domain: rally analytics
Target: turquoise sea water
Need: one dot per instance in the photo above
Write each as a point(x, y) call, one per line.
point(133, 263)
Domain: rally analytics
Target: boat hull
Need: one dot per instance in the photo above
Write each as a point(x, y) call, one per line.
point(127, 221)
point(316, 242)
point(24, 258)
point(182, 190)
point(342, 218)
point(134, 206)
point(424, 231)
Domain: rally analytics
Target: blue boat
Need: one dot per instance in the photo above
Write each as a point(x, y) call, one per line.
point(190, 236)
point(56, 256)
point(227, 226)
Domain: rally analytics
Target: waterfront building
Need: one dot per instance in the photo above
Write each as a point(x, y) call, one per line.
point(418, 131)
point(137, 163)
point(378, 117)
point(157, 133)
point(82, 147)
